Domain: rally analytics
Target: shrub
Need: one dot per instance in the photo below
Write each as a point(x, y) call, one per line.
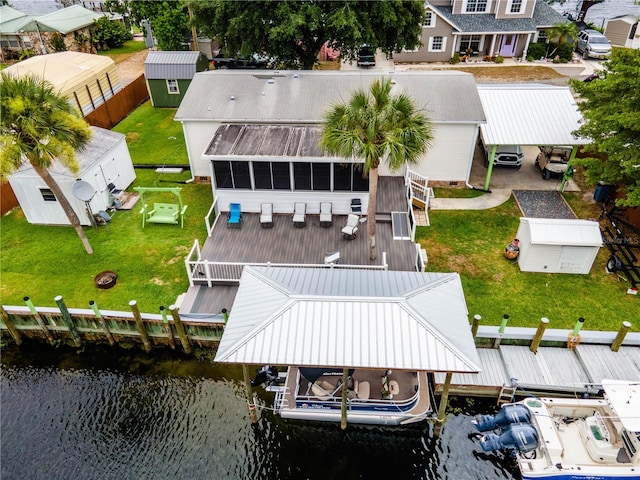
point(57, 43)
point(499, 59)
point(537, 51)
point(110, 34)
point(565, 51)
point(455, 59)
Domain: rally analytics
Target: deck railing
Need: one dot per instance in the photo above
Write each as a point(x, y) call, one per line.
point(212, 217)
point(417, 189)
point(201, 271)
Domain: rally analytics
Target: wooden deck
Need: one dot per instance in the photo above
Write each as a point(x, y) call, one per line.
point(552, 369)
point(286, 244)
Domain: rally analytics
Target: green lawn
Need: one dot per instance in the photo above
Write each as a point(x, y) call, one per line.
point(472, 243)
point(122, 53)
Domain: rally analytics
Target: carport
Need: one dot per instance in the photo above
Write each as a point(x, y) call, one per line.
point(529, 115)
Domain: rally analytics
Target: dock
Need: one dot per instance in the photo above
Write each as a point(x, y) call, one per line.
point(555, 369)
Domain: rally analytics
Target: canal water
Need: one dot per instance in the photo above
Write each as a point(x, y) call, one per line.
point(598, 13)
point(117, 414)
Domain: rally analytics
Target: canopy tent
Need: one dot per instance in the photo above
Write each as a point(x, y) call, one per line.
point(529, 114)
point(343, 318)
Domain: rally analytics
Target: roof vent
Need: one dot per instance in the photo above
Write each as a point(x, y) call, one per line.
point(271, 81)
point(295, 75)
point(393, 81)
point(232, 97)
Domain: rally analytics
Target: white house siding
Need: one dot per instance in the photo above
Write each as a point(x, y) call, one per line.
point(114, 167)
point(197, 137)
point(448, 158)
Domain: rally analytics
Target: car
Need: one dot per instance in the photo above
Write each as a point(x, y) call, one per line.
point(506, 156)
point(553, 161)
point(366, 57)
point(223, 62)
point(593, 44)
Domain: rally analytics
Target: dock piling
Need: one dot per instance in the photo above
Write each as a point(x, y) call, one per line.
point(103, 324)
point(250, 400)
point(503, 325)
point(617, 342)
point(141, 328)
point(36, 315)
point(10, 326)
point(345, 390)
point(444, 398)
point(167, 327)
point(68, 320)
point(182, 334)
point(544, 321)
point(574, 336)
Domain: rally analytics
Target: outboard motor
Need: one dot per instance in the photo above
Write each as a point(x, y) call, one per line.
point(266, 374)
point(521, 437)
point(508, 414)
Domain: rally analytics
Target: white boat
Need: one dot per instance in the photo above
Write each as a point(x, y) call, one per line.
point(374, 397)
point(565, 438)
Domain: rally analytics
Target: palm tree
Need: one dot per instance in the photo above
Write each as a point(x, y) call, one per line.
point(377, 126)
point(562, 32)
point(40, 126)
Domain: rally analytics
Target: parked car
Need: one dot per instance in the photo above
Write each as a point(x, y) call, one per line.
point(593, 44)
point(366, 57)
point(553, 161)
point(506, 156)
point(221, 62)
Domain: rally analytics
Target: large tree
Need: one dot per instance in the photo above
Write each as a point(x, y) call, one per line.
point(611, 109)
point(40, 126)
point(377, 126)
point(292, 32)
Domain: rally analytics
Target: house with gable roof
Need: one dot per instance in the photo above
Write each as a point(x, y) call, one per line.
point(482, 27)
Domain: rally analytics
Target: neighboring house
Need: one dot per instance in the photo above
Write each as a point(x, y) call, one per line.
point(623, 31)
point(21, 32)
point(483, 27)
point(104, 160)
point(255, 134)
point(169, 74)
point(12, 35)
point(86, 80)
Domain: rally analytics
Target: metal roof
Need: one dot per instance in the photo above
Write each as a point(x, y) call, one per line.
point(271, 96)
point(349, 318)
point(101, 143)
point(173, 65)
point(266, 140)
point(543, 16)
point(571, 232)
point(529, 114)
point(11, 20)
point(65, 20)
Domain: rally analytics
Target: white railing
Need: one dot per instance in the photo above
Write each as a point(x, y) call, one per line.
point(418, 188)
point(204, 271)
point(215, 212)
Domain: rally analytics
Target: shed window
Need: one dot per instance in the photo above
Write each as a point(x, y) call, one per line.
point(172, 87)
point(47, 195)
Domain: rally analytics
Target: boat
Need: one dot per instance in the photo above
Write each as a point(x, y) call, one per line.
point(569, 438)
point(374, 397)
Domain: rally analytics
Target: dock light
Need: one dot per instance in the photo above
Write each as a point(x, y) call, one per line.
point(164, 314)
point(578, 326)
point(503, 324)
point(225, 315)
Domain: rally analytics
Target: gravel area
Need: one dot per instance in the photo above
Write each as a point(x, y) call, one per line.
point(542, 204)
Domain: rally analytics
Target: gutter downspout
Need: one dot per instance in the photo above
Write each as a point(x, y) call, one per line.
point(473, 150)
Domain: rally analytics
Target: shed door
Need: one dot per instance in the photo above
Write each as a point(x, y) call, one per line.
point(572, 260)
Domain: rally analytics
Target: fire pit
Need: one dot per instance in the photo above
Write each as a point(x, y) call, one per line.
point(106, 279)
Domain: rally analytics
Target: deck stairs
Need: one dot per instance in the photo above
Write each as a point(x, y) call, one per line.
point(507, 394)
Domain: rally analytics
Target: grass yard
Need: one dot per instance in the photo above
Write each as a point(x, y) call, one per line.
point(122, 53)
point(472, 243)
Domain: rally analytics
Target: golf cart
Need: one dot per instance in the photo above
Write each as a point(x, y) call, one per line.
point(553, 161)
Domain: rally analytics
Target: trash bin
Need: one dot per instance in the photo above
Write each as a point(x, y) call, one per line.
point(602, 192)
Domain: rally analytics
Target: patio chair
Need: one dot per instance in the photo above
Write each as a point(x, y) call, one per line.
point(299, 211)
point(350, 229)
point(356, 206)
point(326, 218)
point(266, 215)
point(234, 217)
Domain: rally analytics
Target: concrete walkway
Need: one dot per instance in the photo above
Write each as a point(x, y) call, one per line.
point(483, 202)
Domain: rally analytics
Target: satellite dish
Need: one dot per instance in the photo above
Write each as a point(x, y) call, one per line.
point(83, 190)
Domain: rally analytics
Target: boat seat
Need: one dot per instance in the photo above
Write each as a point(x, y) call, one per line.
point(363, 390)
point(323, 389)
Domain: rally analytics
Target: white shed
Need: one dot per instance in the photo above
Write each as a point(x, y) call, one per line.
point(552, 245)
point(105, 160)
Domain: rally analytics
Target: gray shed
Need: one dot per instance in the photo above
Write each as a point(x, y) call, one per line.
point(552, 245)
point(169, 74)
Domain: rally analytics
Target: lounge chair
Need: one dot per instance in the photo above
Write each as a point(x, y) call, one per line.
point(266, 215)
point(326, 218)
point(350, 229)
point(356, 206)
point(234, 218)
point(299, 211)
